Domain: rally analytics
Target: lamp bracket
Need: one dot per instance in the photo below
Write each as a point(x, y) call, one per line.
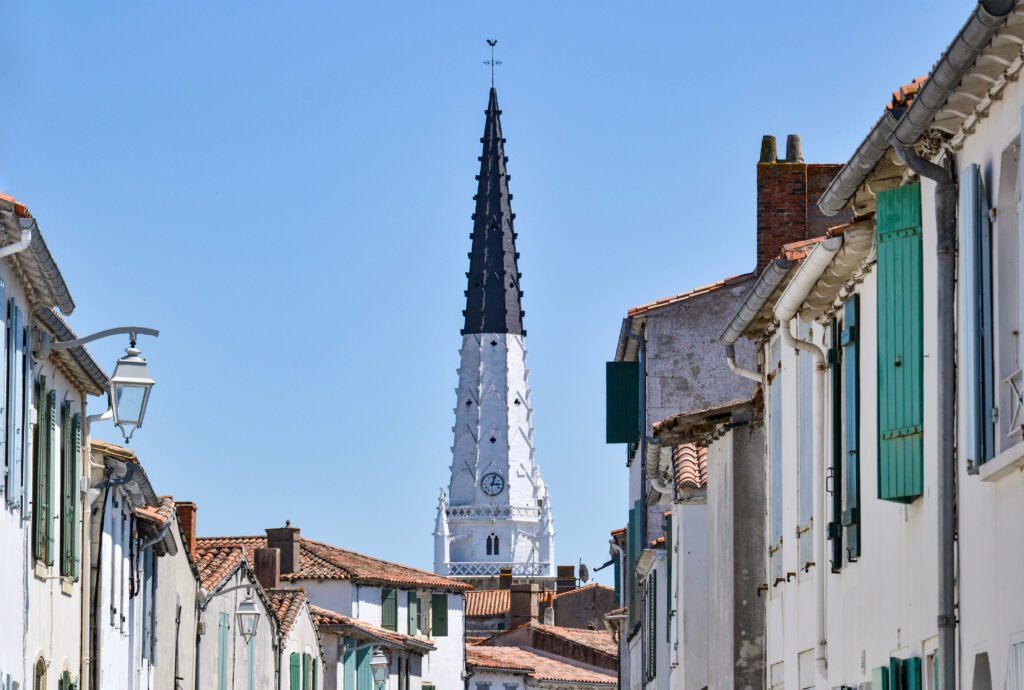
point(133, 331)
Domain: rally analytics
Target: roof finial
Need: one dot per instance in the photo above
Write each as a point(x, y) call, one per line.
point(492, 62)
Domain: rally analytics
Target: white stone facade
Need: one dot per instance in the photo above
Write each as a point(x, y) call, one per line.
point(497, 512)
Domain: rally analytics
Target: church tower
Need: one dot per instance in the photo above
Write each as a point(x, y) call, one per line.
point(496, 513)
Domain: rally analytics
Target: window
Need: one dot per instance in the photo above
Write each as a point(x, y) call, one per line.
point(775, 460)
point(650, 627)
point(805, 449)
point(900, 351)
point(844, 360)
point(1007, 285)
point(413, 610)
point(42, 472)
point(439, 614)
point(492, 544)
point(39, 677)
point(389, 609)
point(481, 685)
point(976, 316)
point(17, 397)
point(223, 631)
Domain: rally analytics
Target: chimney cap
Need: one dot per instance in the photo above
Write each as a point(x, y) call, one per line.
point(794, 149)
point(768, 150)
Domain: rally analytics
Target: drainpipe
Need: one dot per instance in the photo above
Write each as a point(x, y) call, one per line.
point(767, 283)
point(785, 311)
point(730, 358)
point(22, 244)
point(945, 252)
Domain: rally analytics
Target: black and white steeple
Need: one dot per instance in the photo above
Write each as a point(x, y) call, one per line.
point(496, 512)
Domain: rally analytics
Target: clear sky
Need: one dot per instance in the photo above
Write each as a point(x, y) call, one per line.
point(284, 189)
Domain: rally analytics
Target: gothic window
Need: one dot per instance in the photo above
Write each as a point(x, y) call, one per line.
point(492, 545)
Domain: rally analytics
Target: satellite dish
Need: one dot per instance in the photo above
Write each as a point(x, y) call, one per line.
point(584, 573)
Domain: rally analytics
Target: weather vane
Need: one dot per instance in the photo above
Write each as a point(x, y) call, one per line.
point(492, 62)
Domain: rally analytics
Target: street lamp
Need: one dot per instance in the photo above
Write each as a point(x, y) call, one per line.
point(129, 390)
point(247, 617)
point(379, 668)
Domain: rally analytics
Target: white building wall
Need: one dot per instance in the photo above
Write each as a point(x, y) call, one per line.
point(176, 590)
point(303, 639)
point(690, 576)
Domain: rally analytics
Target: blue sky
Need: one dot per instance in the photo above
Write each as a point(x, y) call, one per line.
point(285, 191)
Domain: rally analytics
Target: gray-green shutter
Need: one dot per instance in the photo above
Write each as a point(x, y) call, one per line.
point(389, 609)
point(76, 549)
point(622, 402)
point(835, 525)
point(51, 463)
point(348, 667)
point(13, 478)
point(364, 676)
point(413, 608)
point(668, 578)
point(223, 628)
point(851, 423)
point(306, 663)
point(439, 614)
point(67, 482)
point(40, 500)
point(900, 350)
point(295, 671)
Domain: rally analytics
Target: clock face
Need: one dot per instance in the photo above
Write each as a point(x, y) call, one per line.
point(492, 483)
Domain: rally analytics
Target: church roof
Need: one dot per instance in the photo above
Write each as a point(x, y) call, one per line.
point(493, 292)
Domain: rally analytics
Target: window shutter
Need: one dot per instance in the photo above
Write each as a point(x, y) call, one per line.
point(976, 313)
point(67, 481)
point(348, 667)
point(18, 402)
point(668, 579)
point(76, 551)
point(39, 498)
point(622, 401)
point(306, 660)
point(617, 567)
point(224, 626)
point(912, 674)
point(364, 677)
point(851, 436)
point(294, 672)
point(413, 610)
point(51, 461)
point(315, 677)
point(12, 479)
point(835, 526)
point(439, 614)
point(389, 609)
point(900, 354)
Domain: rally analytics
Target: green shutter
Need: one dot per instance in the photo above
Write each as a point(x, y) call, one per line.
point(617, 568)
point(880, 678)
point(315, 675)
point(40, 498)
point(76, 550)
point(668, 579)
point(900, 352)
point(622, 402)
point(389, 609)
point(295, 671)
point(67, 482)
point(413, 607)
point(439, 614)
point(51, 462)
point(835, 525)
point(306, 661)
point(348, 667)
point(912, 674)
point(364, 677)
point(851, 424)
point(224, 627)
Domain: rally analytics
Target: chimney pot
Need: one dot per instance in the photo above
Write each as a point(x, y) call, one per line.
point(186, 511)
point(794, 150)
point(768, 151)
point(287, 540)
point(268, 567)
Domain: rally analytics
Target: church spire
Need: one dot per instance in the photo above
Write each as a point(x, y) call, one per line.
point(493, 295)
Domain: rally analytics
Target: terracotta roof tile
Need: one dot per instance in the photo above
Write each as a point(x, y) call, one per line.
point(904, 96)
point(601, 640)
point(703, 290)
point(496, 602)
point(691, 466)
point(286, 604)
point(216, 563)
point(798, 251)
point(325, 617)
point(113, 450)
point(539, 667)
point(20, 209)
point(318, 561)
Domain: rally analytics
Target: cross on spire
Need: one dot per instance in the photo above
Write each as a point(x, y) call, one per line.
point(492, 62)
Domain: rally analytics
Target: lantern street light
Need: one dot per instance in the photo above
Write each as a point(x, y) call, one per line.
point(247, 617)
point(379, 668)
point(129, 386)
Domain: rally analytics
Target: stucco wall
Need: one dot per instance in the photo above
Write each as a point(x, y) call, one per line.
point(175, 640)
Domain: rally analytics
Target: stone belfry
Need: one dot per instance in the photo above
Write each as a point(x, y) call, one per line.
point(496, 512)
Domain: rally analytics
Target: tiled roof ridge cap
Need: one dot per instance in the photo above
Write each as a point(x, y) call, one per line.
point(695, 292)
point(456, 583)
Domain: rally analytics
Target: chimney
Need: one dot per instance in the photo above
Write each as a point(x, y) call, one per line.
point(566, 578)
point(268, 567)
point(287, 540)
point(505, 578)
point(787, 198)
point(187, 524)
point(524, 603)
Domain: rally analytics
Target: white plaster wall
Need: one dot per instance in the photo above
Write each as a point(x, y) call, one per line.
point(991, 526)
point(303, 639)
point(497, 680)
point(444, 667)
point(176, 585)
point(267, 657)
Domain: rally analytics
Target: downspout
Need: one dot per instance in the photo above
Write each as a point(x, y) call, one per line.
point(769, 280)
point(945, 253)
point(785, 311)
point(23, 242)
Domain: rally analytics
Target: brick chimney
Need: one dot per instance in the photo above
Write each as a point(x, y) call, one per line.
point(505, 578)
point(187, 523)
point(287, 540)
point(524, 603)
point(787, 198)
point(268, 567)
point(565, 579)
